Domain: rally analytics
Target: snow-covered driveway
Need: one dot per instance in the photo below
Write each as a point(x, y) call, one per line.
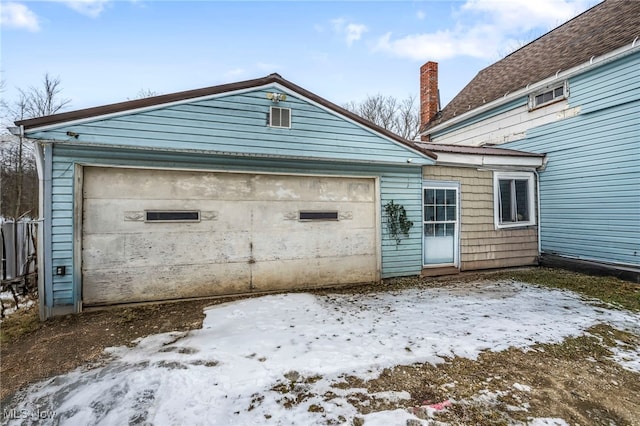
point(224, 373)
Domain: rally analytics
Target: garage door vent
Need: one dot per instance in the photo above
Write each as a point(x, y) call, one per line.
point(172, 216)
point(315, 215)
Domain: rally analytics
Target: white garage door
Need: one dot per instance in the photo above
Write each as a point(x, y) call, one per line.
point(158, 234)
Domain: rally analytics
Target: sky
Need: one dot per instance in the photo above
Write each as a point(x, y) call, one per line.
point(229, 371)
point(107, 51)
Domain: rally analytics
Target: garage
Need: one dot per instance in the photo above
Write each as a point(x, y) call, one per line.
point(151, 234)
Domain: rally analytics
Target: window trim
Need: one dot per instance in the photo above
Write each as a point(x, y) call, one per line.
point(550, 88)
point(271, 108)
point(529, 177)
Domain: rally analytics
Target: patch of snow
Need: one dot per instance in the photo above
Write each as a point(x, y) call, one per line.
point(274, 359)
point(626, 355)
point(522, 388)
point(391, 396)
point(546, 421)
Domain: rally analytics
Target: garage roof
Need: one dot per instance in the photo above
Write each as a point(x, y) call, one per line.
point(152, 101)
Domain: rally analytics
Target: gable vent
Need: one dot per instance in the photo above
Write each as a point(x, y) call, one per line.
point(280, 117)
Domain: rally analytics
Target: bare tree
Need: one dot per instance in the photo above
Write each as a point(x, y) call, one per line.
point(400, 117)
point(41, 101)
point(19, 180)
point(144, 93)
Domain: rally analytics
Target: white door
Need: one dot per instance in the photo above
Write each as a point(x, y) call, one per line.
point(166, 234)
point(440, 224)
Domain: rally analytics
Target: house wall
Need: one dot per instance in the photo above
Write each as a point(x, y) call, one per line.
point(590, 197)
point(398, 183)
point(482, 246)
point(226, 132)
point(236, 124)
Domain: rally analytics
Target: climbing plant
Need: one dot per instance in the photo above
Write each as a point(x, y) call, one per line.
point(398, 225)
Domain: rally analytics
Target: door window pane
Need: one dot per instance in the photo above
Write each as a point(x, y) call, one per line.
point(429, 230)
point(440, 196)
point(451, 213)
point(429, 196)
point(450, 197)
point(450, 230)
point(429, 213)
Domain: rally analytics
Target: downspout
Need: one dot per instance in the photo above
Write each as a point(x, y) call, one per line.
point(538, 214)
point(44, 168)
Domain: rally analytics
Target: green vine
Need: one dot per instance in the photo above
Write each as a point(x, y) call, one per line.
point(398, 225)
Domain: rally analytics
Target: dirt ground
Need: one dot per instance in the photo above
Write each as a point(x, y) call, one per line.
point(574, 380)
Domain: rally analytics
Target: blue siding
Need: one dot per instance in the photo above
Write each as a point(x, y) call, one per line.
point(590, 189)
point(237, 124)
point(230, 132)
point(399, 183)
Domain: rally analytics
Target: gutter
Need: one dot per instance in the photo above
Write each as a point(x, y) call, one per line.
point(593, 63)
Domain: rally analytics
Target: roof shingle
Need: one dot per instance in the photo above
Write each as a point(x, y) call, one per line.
point(603, 28)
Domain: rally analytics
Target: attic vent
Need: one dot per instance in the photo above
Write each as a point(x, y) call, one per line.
point(280, 117)
point(549, 95)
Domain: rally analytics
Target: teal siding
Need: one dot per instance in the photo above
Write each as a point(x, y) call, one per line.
point(607, 86)
point(399, 183)
point(590, 189)
point(237, 124)
point(230, 132)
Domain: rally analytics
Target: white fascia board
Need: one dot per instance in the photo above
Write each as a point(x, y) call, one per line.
point(533, 87)
point(478, 160)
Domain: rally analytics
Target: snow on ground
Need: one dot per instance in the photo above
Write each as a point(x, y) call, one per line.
point(226, 372)
point(10, 305)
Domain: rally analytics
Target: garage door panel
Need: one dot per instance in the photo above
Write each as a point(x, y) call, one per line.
point(279, 214)
point(249, 237)
point(309, 273)
point(281, 245)
point(141, 184)
point(290, 188)
point(119, 215)
point(127, 285)
point(163, 248)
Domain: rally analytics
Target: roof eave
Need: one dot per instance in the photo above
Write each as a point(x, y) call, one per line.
point(560, 75)
point(58, 120)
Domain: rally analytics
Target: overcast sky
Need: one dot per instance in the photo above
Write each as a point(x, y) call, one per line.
point(107, 51)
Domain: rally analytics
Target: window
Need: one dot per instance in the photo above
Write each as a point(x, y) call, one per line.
point(514, 201)
point(317, 215)
point(548, 95)
point(280, 117)
point(172, 216)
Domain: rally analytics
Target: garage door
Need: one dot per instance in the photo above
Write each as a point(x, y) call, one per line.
point(159, 234)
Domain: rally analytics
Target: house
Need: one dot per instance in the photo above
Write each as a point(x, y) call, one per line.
point(251, 187)
point(574, 95)
point(247, 187)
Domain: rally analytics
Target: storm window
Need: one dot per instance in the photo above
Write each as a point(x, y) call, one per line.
point(514, 201)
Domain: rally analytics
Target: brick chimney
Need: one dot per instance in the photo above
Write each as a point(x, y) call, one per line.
point(428, 93)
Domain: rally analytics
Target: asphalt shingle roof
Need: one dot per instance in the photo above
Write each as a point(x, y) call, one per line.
point(603, 28)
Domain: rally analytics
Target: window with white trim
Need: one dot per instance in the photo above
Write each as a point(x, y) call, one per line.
point(548, 95)
point(280, 117)
point(514, 199)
